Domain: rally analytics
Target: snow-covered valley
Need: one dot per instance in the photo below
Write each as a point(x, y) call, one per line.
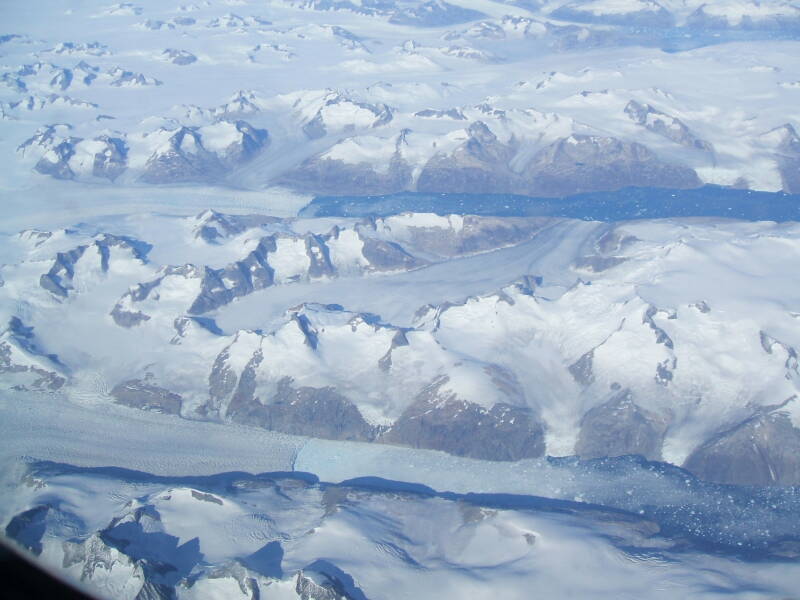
point(669, 339)
point(412, 348)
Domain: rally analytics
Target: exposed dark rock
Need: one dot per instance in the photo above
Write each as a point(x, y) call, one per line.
point(503, 432)
point(664, 371)
point(110, 162)
point(788, 156)
point(45, 138)
point(665, 125)
point(614, 240)
point(47, 374)
point(661, 335)
point(125, 315)
point(35, 236)
point(388, 256)
point(56, 162)
point(325, 589)
point(480, 165)
point(213, 291)
point(790, 173)
point(619, 427)
point(317, 412)
point(430, 113)
point(573, 165)
point(581, 369)
point(178, 57)
point(399, 340)
point(309, 333)
point(434, 13)
point(213, 226)
point(126, 318)
point(596, 264)
point(123, 78)
point(317, 128)
point(145, 395)
point(790, 140)
point(319, 255)
point(582, 163)
point(205, 497)
point(221, 286)
point(137, 248)
point(763, 450)
point(155, 591)
point(527, 284)
point(62, 79)
point(334, 176)
point(15, 83)
point(785, 20)
point(657, 16)
point(28, 527)
point(480, 234)
point(251, 141)
point(105, 551)
point(470, 235)
point(183, 325)
point(156, 25)
point(768, 343)
point(58, 280)
point(183, 160)
point(222, 381)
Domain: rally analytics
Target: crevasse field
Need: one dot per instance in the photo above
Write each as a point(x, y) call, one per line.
point(377, 299)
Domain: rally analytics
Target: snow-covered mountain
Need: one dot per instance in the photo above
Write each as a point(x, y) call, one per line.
point(130, 535)
point(351, 243)
point(488, 337)
point(386, 75)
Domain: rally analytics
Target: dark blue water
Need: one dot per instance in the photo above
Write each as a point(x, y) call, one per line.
point(621, 205)
point(680, 39)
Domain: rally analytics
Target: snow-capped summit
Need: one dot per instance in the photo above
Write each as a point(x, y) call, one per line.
point(648, 13)
point(665, 125)
point(327, 112)
point(746, 14)
point(233, 20)
point(434, 13)
point(23, 364)
point(80, 267)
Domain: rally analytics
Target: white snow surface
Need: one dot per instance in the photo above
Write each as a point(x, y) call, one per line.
point(723, 293)
point(346, 85)
point(370, 79)
point(389, 544)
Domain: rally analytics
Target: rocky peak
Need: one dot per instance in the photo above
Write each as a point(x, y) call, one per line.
point(581, 162)
point(762, 450)
point(665, 125)
point(620, 427)
point(784, 138)
point(331, 115)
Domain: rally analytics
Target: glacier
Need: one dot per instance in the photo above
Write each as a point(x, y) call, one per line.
point(348, 299)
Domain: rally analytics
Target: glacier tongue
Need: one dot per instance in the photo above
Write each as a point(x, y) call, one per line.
point(489, 337)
